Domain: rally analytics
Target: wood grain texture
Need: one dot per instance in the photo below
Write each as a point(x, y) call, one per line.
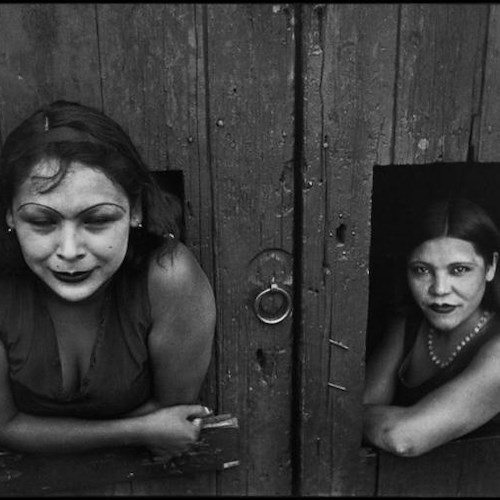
point(349, 74)
point(439, 81)
point(489, 135)
point(47, 52)
point(123, 469)
point(154, 86)
point(465, 468)
point(250, 63)
point(209, 90)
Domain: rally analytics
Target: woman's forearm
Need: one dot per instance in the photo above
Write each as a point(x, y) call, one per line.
point(32, 434)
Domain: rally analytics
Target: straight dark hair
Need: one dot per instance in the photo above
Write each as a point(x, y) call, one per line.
point(455, 218)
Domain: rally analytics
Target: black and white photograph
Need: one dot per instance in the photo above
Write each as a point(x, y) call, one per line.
point(249, 249)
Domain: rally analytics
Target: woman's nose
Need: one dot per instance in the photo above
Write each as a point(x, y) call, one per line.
point(440, 284)
point(70, 245)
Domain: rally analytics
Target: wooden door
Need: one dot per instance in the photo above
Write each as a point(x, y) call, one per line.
point(250, 55)
point(349, 77)
point(206, 90)
point(275, 116)
point(382, 85)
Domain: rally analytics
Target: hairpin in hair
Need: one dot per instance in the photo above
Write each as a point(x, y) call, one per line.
point(65, 134)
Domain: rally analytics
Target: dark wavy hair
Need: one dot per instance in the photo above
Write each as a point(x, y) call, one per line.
point(71, 132)
point(456, 218)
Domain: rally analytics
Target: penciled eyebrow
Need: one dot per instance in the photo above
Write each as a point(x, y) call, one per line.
point(82, 212)
point(451, 264)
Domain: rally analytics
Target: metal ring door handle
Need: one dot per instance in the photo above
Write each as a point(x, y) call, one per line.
point(283, 311)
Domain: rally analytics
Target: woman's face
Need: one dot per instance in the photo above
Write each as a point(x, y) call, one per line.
point(73, 237)
point(447, 278)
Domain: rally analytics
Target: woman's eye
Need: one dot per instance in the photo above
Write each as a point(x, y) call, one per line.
point(419, 270)
point(43, 223)
point(97, 222)
point(459, 270)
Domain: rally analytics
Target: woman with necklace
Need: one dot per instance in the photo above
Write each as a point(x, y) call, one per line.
point(106, 319)
point(436, 375)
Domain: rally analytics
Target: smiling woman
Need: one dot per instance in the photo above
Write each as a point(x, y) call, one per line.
point(99, 345)
point(435, 377)
point(75, 237)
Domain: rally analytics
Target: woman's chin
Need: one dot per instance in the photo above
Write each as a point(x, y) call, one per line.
point(77, 291)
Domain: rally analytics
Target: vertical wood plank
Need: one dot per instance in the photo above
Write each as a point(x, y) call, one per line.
point(152, 63)
point(489, 136)
point(349, 78)
point(433, 474)
point(152, 59)
point(47, 52)
point(250, 68)
point(439, 81)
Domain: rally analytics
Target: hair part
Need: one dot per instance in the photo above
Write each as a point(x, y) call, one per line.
point(455, 218)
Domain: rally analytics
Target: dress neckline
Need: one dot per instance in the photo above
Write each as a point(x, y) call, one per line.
point(443, 372)
point(69, 395)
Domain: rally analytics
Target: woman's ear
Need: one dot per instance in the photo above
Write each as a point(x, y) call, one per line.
point(136, 214)
point(9, 219)
point(490, 273)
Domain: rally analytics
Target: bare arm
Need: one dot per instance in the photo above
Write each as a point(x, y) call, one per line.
point(183, 313)
point(452, 410)
point(383, 365)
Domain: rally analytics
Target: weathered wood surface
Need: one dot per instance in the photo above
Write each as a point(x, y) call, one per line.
point(250, 70)
point(488, 140)
point(46, 52)
point(209, 90)
point(464, 468)
point(440, 65)
point(349, 72)
point(22, 474)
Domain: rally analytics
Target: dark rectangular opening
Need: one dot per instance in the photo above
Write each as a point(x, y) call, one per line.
point(172, 182)
point(396, 190)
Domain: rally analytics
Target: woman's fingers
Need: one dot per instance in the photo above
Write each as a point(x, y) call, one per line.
point(196, 421)
point(193, 412)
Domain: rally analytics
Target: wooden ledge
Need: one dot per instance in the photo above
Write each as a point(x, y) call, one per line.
point(36, 474)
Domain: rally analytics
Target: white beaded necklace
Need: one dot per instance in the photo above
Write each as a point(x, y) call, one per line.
point(430, 344)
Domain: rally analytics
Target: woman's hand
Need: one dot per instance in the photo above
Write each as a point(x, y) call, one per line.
point(171, 431)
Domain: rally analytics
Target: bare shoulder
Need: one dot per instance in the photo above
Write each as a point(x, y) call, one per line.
point(393, 338)
point(177, 282)
point(383, 364)
point(183, 325)
point(388, 353)
point(486, 358)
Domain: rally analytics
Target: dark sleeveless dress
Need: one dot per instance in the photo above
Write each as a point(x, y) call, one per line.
point(118, 379)
point(406, 395)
